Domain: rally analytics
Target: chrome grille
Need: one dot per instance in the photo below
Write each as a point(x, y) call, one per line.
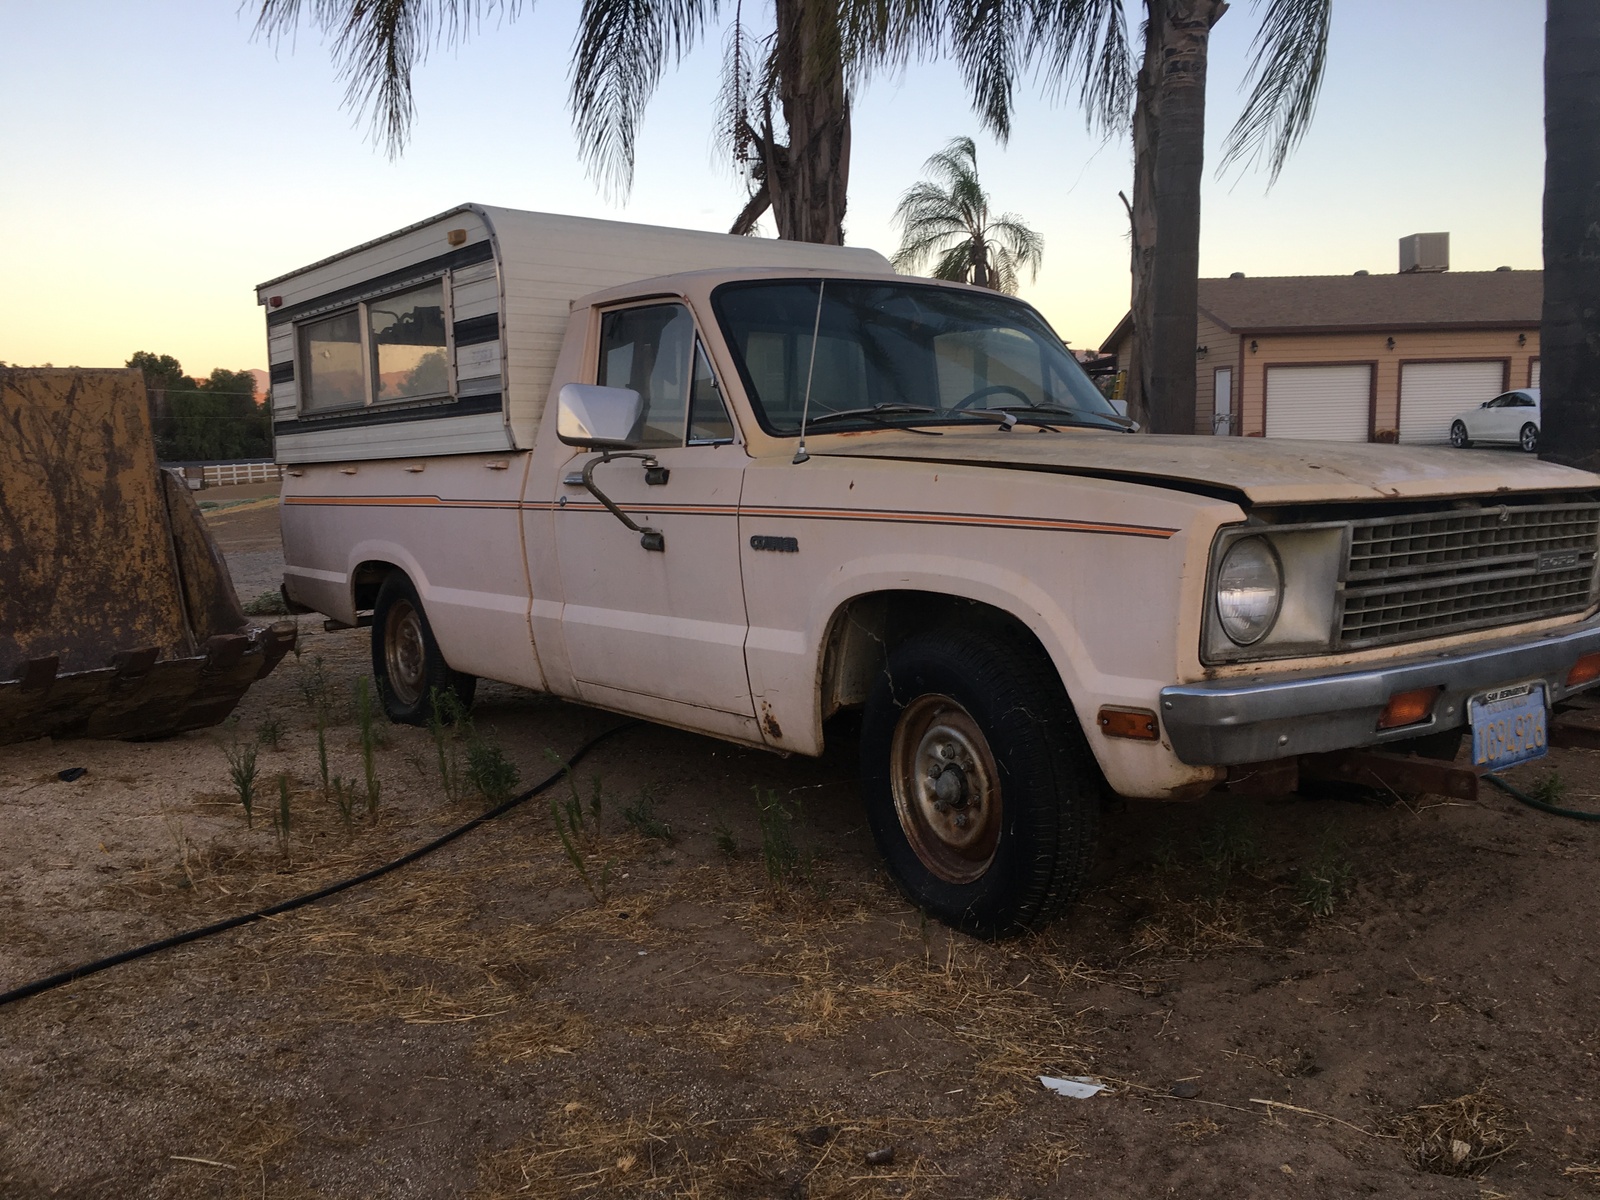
point(1425, 576)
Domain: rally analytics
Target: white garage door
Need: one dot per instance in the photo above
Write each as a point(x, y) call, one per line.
point(1533, 373)
point(1434, 394)
point(1328, 404)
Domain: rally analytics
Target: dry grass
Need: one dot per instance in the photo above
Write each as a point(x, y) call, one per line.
point(1463, 1136)
point(580, 1151)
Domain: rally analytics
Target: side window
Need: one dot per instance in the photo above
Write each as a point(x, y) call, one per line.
point(330, 349)
point(408, 346)
point(651, 350)
point(708, 416)
point(387, 348)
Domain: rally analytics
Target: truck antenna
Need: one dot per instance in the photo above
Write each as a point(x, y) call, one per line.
point(800, 454)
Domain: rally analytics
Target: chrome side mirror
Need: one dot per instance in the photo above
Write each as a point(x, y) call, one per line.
point(599, 418)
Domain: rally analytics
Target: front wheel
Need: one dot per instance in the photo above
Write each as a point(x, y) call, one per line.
point(411, 673)
point(1458, 436)
point(1529, 438)
point(980, 789)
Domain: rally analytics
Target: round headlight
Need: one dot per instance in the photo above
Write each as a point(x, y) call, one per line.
point(1249, 590)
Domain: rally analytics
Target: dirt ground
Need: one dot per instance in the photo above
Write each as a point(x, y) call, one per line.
point(691, 977)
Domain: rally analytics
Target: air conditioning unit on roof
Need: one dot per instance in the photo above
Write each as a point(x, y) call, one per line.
point(1424, 252)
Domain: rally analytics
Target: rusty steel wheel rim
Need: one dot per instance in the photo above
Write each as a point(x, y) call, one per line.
point(403, 652)
point(946, 788)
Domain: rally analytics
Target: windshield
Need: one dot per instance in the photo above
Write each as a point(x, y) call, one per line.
point(944, 353)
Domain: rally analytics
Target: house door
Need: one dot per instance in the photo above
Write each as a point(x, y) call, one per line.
point(642, 625)
point(1222, 393)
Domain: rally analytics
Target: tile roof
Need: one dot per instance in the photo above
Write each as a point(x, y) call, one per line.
point(1329, 303)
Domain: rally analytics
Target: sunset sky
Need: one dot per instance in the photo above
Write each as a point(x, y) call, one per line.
point(157, 161)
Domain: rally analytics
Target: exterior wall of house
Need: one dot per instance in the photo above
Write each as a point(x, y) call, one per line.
point(1225, 349)
point(1420, 346)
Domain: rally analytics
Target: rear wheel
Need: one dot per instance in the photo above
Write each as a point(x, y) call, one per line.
point(1529, 438)
point(1458, 436)
point(981, 792)
point(406, 661)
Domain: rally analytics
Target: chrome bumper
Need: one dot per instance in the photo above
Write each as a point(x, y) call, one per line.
point(1240, 721)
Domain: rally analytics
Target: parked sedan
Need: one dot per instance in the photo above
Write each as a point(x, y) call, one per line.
point(1509, 419)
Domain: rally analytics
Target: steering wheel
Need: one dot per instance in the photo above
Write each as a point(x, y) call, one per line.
point(991, 390)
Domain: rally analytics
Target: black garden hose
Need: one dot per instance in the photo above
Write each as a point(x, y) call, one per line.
point(194, 935)
point(1554, 810)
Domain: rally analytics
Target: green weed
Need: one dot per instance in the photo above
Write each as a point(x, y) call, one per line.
point(641, 815)
point(492, 775)
point(722, 834)
point(1551, 789)
point(448, 723)
point(369, 743)
point(281, 819)
point(242, 773)
point(779, 852)
point(1328, 878)
point(343, 793)
point(270, 732)
point(569, 824)
point(1229, 847)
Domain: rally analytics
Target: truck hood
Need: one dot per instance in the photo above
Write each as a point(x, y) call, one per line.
point(1278, 471)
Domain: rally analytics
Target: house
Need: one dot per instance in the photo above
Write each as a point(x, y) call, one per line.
point(1360, 357)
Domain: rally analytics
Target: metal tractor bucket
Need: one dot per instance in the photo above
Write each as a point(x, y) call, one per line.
point(117, 615)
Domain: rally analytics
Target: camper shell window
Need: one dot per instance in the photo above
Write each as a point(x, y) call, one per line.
point(389, 348)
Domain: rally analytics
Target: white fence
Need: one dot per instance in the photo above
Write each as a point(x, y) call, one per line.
point(223, 474)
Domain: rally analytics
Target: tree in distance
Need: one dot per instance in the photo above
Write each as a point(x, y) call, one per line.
point(203, 420)
point(946, 221)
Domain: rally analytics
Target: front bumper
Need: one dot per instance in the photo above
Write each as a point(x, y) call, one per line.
point(1226, 722)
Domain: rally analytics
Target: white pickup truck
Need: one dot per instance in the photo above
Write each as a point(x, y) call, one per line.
point(738, 486)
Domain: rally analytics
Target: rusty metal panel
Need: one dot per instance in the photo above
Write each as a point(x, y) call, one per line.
point(87, 567)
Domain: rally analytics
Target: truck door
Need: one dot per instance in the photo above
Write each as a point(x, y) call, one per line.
point(644, 625)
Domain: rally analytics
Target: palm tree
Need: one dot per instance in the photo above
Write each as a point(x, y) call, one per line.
point(785, 90)
point(949, 223)
point(1569, 333)
point(786, 116)
point(1083, 45)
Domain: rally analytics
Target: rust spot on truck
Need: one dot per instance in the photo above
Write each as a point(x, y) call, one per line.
point(770, 723)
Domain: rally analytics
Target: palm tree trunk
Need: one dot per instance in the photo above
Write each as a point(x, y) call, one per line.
point(980, 261)
point(1169, 160)
point(808, 188)
point(1569, 333)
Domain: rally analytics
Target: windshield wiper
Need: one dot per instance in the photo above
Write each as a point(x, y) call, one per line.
point(1070, 416)
point(876, 415)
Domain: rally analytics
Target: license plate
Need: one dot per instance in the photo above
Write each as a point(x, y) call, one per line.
point(1508, 725)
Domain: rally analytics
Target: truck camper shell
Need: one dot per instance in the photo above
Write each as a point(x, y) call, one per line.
point(442, 338)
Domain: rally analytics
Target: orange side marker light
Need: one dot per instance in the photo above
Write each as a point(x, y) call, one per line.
point(1408, 708)
point(1140, 724)
point(1585, 670)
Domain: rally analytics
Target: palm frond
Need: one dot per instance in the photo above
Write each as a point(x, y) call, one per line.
point(1085, 43)
point(1002, 271)
point(1287, 57)
point(1021, 245)
point(378, 43)
point(621, 49)
point(955, 263)
point(986, 39)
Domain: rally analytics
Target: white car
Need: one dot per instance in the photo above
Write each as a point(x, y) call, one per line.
point(1509, 419)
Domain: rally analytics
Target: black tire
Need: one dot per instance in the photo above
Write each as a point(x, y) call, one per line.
point(1458, 436)
point(406, 661)
point(1026, 792)
point(1528, 439)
